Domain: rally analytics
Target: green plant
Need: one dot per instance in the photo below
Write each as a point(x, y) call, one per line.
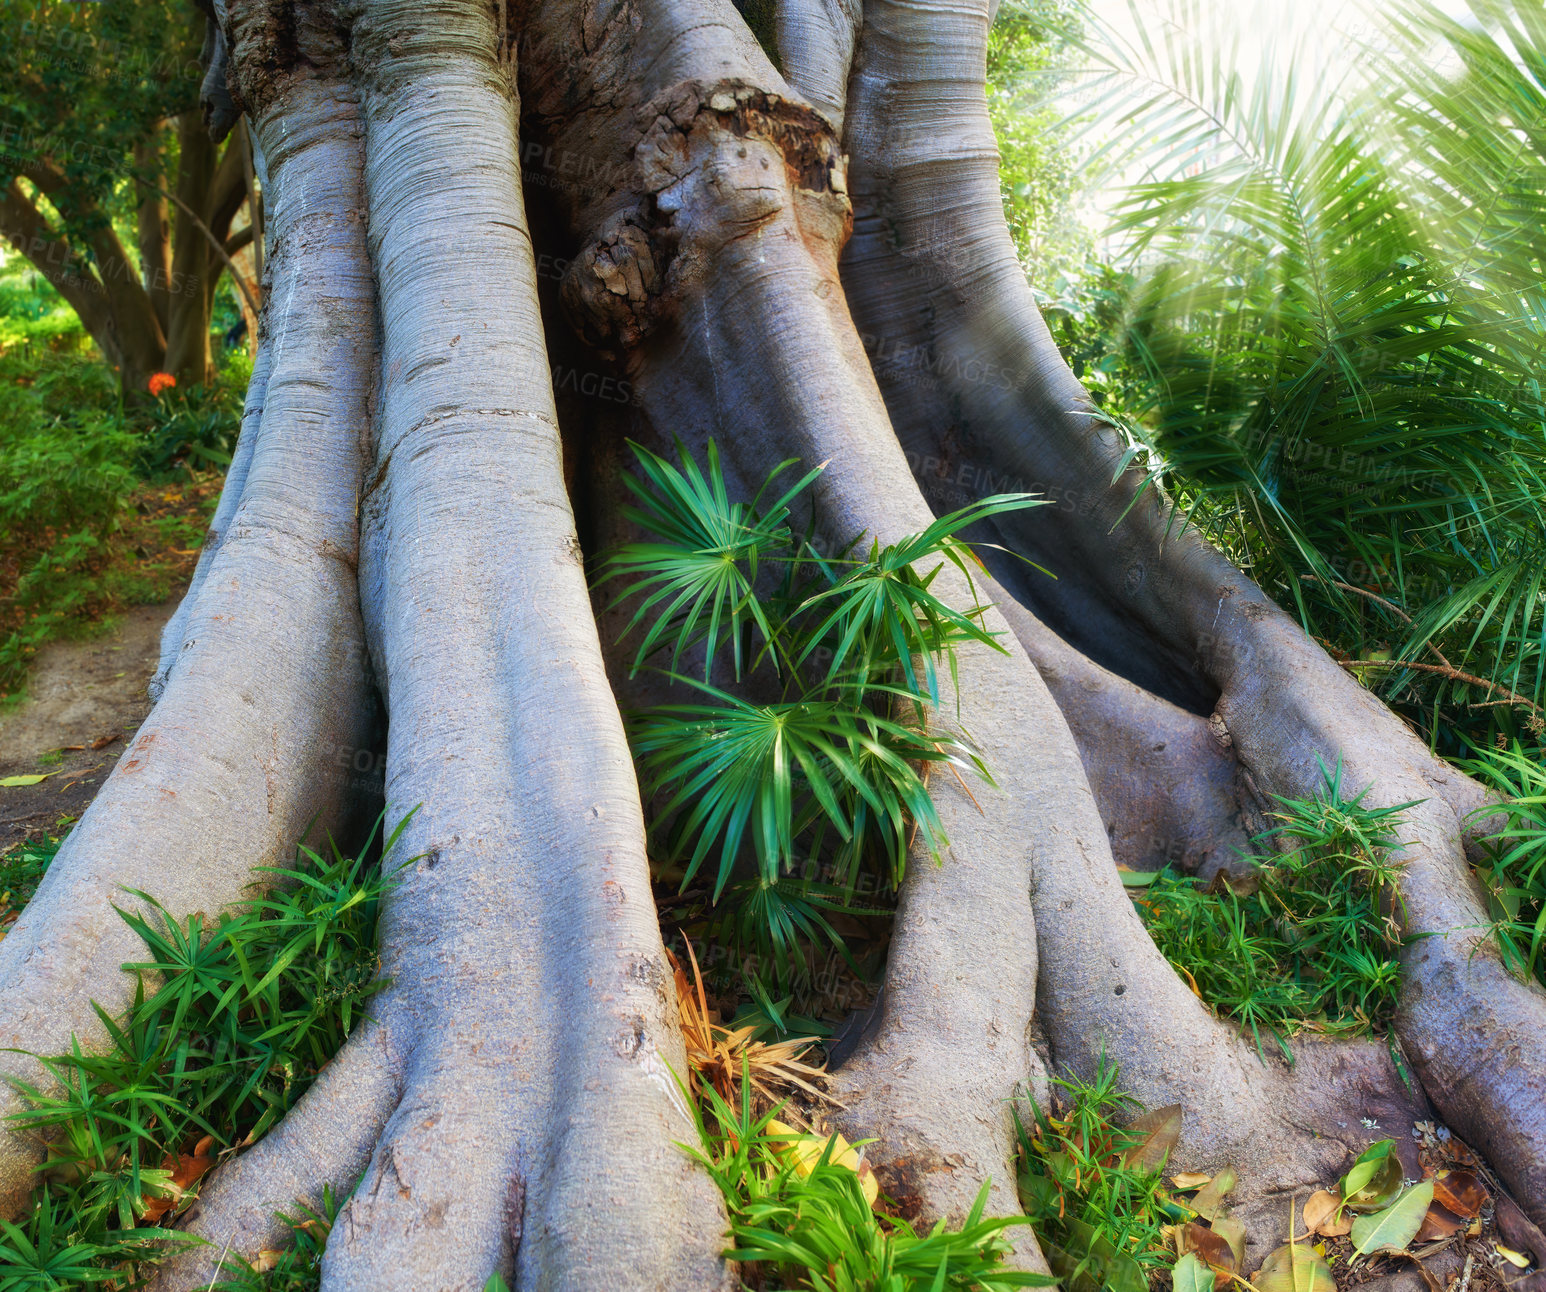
point(1093, 1189)
point(1315, 945)
point(21, 870)
point(829, 765)
point(1334, 323)
point(230, 1025)
point(801, 1220)
point(1514, 871)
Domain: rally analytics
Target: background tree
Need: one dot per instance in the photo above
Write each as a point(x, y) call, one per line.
point(103, 132)
point(813, 264)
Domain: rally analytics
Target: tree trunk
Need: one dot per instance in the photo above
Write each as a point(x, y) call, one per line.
point(194, 266)
point(813, 267)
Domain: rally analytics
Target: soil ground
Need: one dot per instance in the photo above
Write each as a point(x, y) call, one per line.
point(84, 700)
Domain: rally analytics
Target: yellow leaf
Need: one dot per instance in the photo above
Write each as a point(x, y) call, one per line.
point(1190, 1179)
point(1513, 1257)
point(806, 1151)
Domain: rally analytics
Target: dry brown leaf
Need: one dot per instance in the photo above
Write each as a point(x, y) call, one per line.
point(265, 1261)
point(1159, 1128)
point(1321, 1215)
point(1437, 1224)
point(1460, 1192)
point(720, 1054)
point(187, 1170)
point(1211, 1248)
point(1232, 1231)
point(1190, 1179)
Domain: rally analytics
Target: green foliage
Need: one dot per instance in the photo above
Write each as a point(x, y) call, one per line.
point(1313, 946)
point(1514, 872)
point(815, 1229)
point(21, 870)
point(1039, 171)
point(833, 770)
point(72, 461)
point(80, 86)
point(1093, 1189)
point(230, 1025)
point(1333, 332)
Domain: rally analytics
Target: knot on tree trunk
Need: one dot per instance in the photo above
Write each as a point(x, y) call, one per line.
point(715, 162)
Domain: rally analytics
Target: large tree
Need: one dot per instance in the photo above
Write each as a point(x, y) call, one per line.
point(789, 241)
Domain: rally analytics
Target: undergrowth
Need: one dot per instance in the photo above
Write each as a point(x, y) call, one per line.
point(1315, 945)
point(102, 505)
point(776, 813)
point(230, 1024)
point(799, 1217)
point(1514, 871)
point(1093, 1190)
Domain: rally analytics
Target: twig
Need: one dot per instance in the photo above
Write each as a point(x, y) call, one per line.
point(1374, 596)
point(1449, 671)
point(220, 251)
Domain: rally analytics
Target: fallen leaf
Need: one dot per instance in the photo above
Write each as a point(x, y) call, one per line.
point(1294, 1268)
point(1397, 1225)
point(1190, 1275)
point(1213, 1249)
point(1232, 1231)
point(1323, 1215)
point(102, 742)
point(806, 1150)
point(1190, 1179)
point(186, 1172)
point(1210, 1198)
point(1156, 1133)
point(1438, 1223)
point(1460, 1192)
point(1512, 1257)
point(11, 782)
point(265, 1261)
point(1380, 1190)
point(1367, 1163)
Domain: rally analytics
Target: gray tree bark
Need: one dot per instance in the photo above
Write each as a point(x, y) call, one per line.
point(812, 263)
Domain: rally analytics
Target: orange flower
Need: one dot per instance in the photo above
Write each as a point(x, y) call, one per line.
point(160, 381)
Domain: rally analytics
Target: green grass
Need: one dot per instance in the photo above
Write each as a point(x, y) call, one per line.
point(1313, 946)
point(797, 796)
point(1093, 1189)
point(816, 1229)
point(231, 1023)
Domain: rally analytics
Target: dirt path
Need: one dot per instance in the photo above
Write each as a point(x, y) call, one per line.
point(89, 694)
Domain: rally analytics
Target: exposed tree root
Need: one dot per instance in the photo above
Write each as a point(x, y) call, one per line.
point(977, 391)
point(239, 759)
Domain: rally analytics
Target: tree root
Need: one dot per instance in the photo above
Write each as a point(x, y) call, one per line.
point(208, 790)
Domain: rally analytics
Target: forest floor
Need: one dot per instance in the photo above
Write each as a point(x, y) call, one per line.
point(84, 701)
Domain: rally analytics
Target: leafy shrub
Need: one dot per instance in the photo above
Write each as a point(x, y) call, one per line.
point(1092, 1189)
point(829, 770)
point(1514, 872)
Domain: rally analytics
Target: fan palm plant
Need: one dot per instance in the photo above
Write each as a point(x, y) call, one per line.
point(1336, 327)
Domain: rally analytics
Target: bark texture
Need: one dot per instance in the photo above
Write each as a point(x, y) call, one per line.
point(802, 257)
